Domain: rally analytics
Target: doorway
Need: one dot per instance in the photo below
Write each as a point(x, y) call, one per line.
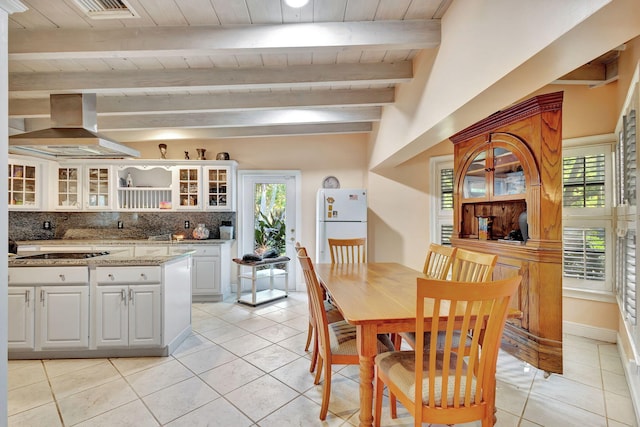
point(269, 215)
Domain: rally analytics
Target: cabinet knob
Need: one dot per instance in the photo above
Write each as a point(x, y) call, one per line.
point(143, 276)
point(110, 276)
point(62, 278)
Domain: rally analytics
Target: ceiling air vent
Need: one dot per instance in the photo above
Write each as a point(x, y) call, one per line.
point(106, 9)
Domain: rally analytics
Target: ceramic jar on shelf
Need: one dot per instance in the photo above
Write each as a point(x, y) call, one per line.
point(201, 232)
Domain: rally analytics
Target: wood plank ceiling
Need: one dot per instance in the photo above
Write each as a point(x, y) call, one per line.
point(219, 68)
point(223, 68)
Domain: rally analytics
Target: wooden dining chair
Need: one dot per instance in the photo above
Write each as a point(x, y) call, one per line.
point(471, 266)
point(466, 266)
point(438, 385)
point(437, 265)
point(438, 262)
point(336, 341)
point(333, 315)
point(348, 251)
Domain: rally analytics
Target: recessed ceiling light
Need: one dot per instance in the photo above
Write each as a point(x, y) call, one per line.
point(296, 3)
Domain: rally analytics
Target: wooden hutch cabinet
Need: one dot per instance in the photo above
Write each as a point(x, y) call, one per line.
point(505, 165)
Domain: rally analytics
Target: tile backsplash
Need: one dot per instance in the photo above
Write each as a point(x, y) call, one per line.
point(104, 225)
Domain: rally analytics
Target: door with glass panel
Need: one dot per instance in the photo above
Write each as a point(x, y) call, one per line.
point(268, 215)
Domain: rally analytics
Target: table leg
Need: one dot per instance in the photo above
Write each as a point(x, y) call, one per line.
point(367, 348)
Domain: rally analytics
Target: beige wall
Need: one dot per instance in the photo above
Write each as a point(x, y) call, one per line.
point(399, 204)
point(315, 156)
point(581, 311)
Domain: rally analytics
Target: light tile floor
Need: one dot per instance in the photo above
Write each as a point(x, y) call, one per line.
point(246, 366)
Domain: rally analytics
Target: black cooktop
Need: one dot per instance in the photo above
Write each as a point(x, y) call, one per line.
point(64, 255)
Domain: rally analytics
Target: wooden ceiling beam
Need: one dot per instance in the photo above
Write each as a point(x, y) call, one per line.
point(124, 105)
point(141, 81)
point(155, 42)
point(226, 119)
point(158, 135)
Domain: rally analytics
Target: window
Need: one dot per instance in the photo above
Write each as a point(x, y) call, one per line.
point(587, 234)
point(446, 230)
point(626, 276)
point(627, 155)
point(446, 189)
point(442, 186)
point(583, 181)
point(584, 253)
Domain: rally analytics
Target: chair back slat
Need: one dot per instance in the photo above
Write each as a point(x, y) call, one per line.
point(316, 298)
point(438, 262)
point(302, 251)
point(348, 251)
point(470, 266)
point(452, 381)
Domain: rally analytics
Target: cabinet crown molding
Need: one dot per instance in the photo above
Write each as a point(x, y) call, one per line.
point(530, 107)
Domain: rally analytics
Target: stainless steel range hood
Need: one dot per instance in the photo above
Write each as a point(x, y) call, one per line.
point(73, 133)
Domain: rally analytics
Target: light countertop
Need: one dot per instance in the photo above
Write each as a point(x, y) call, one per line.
point(113, 259)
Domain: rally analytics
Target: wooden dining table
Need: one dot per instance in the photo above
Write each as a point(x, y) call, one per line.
point(377, 298)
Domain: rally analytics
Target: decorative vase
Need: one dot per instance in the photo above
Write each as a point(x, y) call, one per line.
point(201, 153)
point(163, 150)
point(524, 227)
point(201, 232)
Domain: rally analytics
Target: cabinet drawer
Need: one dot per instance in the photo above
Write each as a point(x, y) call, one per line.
point(131, 275)
point(49, 276)
point(212, 250)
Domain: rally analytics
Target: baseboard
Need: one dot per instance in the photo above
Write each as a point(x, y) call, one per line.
point(593, 332)
point(632, 374)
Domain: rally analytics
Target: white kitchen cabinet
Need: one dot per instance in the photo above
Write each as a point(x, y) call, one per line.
point(48, 308)
point(98, 187)
point(219, 185)
point(24, 184)
point(61, 314)
point(205, 273)
point(128, 307)
point(21, 307)
point(122, 185)
point(63, 317)
point(188, 187)
point(144, 187)
point(67, 194)
point(209, 272)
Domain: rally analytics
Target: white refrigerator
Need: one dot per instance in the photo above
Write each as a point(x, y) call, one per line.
point(340, 214)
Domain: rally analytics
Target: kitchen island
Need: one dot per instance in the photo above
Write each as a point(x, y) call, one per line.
point(109, 305)
point(211, 258)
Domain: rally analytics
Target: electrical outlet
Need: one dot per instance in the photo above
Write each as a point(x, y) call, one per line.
point(120, 225)
point(46, 225)
point(187, 225)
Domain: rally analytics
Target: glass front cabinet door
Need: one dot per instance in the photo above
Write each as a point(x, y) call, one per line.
point(98, 187)
point(24, 178)
point(68, 194)
point(493, 189)
point(493, 174)
point(508, 176)
point(219, 188)
point(188, 188)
